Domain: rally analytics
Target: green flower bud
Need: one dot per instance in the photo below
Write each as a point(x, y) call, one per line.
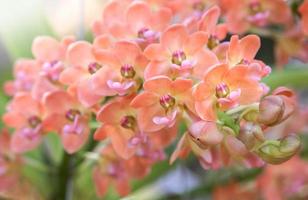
point(279, 151)
point(251, 135)
point(250, 115)
point(271, 110)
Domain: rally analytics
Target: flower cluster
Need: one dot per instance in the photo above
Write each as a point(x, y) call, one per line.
point(153, 66)
point(286, 181)
point(13, 185)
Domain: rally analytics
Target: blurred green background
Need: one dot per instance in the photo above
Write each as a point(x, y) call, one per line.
point(23, 20)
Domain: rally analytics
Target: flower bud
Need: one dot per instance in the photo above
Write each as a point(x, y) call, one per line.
point(271, 110)
point(279, 151)
point(290, 144)
point(205, 134)
point(251, 135)
point(251, 115)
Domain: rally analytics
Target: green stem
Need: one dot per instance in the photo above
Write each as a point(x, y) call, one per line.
point(241, 108)
point(47, 154)
point(64, 178)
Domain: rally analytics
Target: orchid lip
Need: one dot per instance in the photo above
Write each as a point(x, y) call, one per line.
point(48, 65)
point(74, 128)
point(142, 32)
point(120, 88)
point(52, 70)
point(31, 134)
point(147, 34)
point(168, 120)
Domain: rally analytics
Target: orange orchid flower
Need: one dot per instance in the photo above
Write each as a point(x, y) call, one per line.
point(25, 74)
point(179, 54)
point(158, 106)
point(255, 13)
point(286, 181)
point(84, 68)
point(65, 115)
point(224, 88)
point(10, 165)
point(121, 125)
point(114, 170)
point(141, 24)
point(124, 64)
point(25, 115)
point(50, 54)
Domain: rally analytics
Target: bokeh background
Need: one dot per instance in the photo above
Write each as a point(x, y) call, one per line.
point(22, 20)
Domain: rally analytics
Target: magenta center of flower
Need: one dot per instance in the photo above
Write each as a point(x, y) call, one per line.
point(34, 121)
point(178, 57)
point(167, 101)
point(222, 90)
point(127, 71)
point(128, 122)
point(93, 67)
point(71, 114)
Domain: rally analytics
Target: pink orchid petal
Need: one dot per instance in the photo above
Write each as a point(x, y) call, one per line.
point(120, 88)
point(165, 120)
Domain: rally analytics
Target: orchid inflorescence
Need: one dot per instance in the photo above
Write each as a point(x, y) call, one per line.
point(155, 66)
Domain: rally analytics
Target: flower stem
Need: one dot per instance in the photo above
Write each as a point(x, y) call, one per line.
point(65, 178)
point(241, 108)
